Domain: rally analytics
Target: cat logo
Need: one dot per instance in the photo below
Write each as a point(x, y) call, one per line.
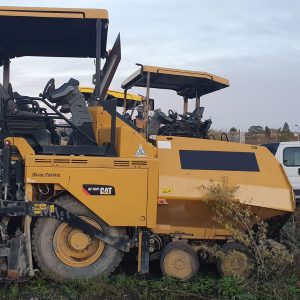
point(105, 190)
point(140, 152)
point(99, 190)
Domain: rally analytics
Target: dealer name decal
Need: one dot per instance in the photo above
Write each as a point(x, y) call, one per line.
point(45, 175)
point(99, 190)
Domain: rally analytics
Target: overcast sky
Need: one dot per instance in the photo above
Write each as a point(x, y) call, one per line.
point(255, 44)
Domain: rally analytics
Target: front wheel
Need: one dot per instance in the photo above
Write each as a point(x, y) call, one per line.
point(179, 260)
point(64, 253)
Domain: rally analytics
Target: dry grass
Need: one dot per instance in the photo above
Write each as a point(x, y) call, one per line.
point(272, 259)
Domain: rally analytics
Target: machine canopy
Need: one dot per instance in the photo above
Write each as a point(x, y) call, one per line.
point(50, 32)
point(189, 84)
point(111, 94)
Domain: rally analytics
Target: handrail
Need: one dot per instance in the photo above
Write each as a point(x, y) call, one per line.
point(56, 111)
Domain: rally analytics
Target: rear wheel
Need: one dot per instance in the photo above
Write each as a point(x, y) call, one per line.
point(179, 260)
point(236, 261)
point(63, 252)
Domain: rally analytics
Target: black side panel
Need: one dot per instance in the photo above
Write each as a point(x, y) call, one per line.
point(273, 147)
point(110, 67)
point(74, 150)
point(218, 160)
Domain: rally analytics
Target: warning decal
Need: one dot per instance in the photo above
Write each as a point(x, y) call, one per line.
point(140, 152)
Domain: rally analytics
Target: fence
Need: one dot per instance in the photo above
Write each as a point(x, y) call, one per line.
point(253, 139)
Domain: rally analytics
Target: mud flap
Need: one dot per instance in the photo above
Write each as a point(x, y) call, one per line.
point(14, 263)
point(143, 253)
point(17, 262)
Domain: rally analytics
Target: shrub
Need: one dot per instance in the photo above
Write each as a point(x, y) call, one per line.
point(272, 259)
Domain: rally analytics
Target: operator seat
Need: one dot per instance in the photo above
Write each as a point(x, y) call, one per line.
point(18, 119)
point(157, 120)
point(38, 128)
point(197, 113)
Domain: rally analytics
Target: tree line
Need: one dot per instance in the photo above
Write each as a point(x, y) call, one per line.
point(283, 133)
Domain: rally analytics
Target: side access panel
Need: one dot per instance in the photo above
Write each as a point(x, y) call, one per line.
point(127, 187)
point(118, 196)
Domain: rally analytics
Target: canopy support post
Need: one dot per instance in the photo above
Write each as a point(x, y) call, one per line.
point(97, 79)
point(147, 103)
point(125, 102)
point(6, 72)
point(185, 105)
point(197, 100)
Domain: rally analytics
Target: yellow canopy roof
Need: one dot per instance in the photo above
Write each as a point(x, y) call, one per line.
point(50, 32)
point(115, 94)
point(120, 95)
point(186, 83)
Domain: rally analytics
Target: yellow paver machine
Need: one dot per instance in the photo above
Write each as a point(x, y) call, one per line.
point(74, 210)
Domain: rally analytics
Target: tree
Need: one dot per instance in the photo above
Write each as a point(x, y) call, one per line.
point(286, 127)
point(233, 129)
point(267, 132)
point(285, 134)
point(256, 129)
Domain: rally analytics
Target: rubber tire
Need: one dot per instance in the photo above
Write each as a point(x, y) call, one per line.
point(181, 246)
point(227, 247)
point(52, 266)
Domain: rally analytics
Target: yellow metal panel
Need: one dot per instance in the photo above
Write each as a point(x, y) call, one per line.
point(184, 209)
point(44, 15)
point(268, 187)
point(57, 161)
point(153, 176)
point(86, 90)
point(60, 176)
point(128, 140)
point(24, 148)
point(131, 176)
point(96, 121)
point(127, 208)
point(47, 12)
point(58, 170)
point(129, 149)
point(29, 192)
